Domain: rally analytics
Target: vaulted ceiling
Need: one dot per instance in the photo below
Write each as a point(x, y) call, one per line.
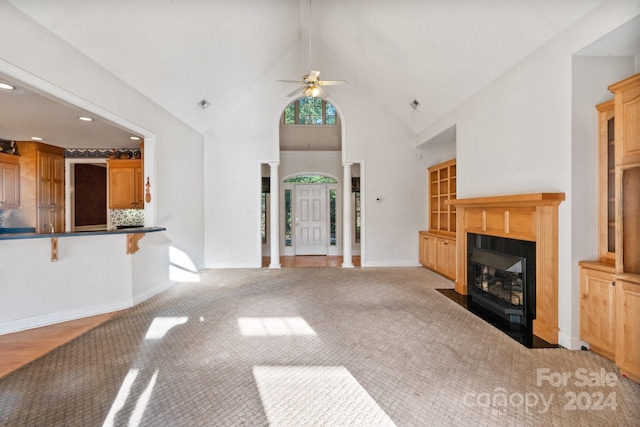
point(176, 53)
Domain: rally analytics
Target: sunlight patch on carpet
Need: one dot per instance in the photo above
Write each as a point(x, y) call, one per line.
point(316, 395)
point(161, 325)
point(273, 326)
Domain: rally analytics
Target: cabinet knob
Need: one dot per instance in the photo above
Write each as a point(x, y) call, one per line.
point(446, 243)
point(613, 283)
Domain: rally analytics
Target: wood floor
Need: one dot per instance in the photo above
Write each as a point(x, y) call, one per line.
point(19, 348)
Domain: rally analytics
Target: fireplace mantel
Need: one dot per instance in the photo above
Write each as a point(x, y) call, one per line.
point(532, 217)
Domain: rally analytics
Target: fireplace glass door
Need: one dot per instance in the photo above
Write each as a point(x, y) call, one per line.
point(497, 281)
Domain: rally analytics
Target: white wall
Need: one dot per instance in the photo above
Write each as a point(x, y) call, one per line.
point(178, 148)
point(516, 136)
point(372, 136)
point(176, 182)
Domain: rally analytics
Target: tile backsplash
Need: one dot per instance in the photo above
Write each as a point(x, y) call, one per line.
point(127, 217)
point(1, 218)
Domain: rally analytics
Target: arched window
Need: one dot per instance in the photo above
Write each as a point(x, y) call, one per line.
point(310, 111)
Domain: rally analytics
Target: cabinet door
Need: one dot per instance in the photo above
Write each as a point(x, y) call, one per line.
point(451, 260)
point(50, 179)
point(121, 188)
point(430, 256)
point(9, 186)
point(138, 189)
point(446, 257)
point(597, 311)
point(50, 220)
point(628, 328)
point(627, 112)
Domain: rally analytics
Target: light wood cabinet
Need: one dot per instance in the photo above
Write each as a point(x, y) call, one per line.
point(628, 326)
point(427, 250)
point(9, 181)
point(50, 179)
point(442, 187)
point(126, 187)
point(41, 187)
point(610, 320)
point(627, 110)
point(438, 253)
point(598, 307)
point(437, 250)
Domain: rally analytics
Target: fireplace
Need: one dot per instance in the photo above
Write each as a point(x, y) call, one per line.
point(530, 218)
point(501, 277)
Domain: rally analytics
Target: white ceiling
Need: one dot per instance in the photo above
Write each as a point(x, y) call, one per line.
point(176, 53)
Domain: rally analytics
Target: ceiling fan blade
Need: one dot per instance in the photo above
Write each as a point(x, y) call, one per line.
point(331, 82)
point(300, 89)
point(290, 81)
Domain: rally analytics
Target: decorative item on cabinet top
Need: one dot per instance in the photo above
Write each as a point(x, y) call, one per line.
point(102, 153)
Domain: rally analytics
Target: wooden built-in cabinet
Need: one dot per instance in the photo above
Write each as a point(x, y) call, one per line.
point(41, 187)
point(9, 181)
point(598, 307)
point(610, 286)
point(437, 246)
point(126, 186)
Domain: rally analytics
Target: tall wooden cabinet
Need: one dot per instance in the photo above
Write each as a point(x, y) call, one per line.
point(610, 287)
point(41, 187)
point(9, 181)
point(126, 186)
point(437, 246)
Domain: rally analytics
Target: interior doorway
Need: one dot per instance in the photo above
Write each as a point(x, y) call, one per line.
point(86, 195)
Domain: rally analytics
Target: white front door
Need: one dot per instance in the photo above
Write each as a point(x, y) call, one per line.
point(311, 219)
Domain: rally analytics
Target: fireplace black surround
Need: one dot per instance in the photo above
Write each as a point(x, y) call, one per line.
point(501, 277)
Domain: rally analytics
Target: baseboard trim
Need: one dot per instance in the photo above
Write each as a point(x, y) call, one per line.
point(390, 264)
point(62, 316)
point(152, 292)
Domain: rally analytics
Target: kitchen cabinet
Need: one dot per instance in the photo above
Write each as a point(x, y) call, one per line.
point(427, 250)
point(50, 179)
point(126, 186)
point(9, 181)
point(41, 187)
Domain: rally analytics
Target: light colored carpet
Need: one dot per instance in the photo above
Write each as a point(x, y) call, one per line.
point(311, 347)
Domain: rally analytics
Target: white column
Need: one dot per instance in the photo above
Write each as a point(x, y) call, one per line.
point(347, 261)
point(274, 216)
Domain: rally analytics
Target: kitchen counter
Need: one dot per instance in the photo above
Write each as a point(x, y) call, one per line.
point(16, 234)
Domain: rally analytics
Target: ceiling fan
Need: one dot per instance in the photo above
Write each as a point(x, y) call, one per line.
point(311, 84)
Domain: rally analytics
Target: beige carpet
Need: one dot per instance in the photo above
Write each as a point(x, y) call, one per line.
point(312, 347)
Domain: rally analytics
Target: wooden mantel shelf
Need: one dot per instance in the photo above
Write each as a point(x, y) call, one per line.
point(531, 217)
point(531, 199)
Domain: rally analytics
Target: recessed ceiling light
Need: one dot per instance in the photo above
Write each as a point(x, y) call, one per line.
point(6, 86)
point(134, 138)
point(85, 119)
point(36, 138)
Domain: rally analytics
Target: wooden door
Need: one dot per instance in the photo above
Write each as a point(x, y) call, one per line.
point(597, 311)
point(50, 220)
point(311, 219)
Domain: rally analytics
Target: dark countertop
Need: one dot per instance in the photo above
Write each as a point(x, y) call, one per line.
point(13, 235)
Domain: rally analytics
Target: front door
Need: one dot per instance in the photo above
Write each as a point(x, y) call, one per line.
point(311, 219)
